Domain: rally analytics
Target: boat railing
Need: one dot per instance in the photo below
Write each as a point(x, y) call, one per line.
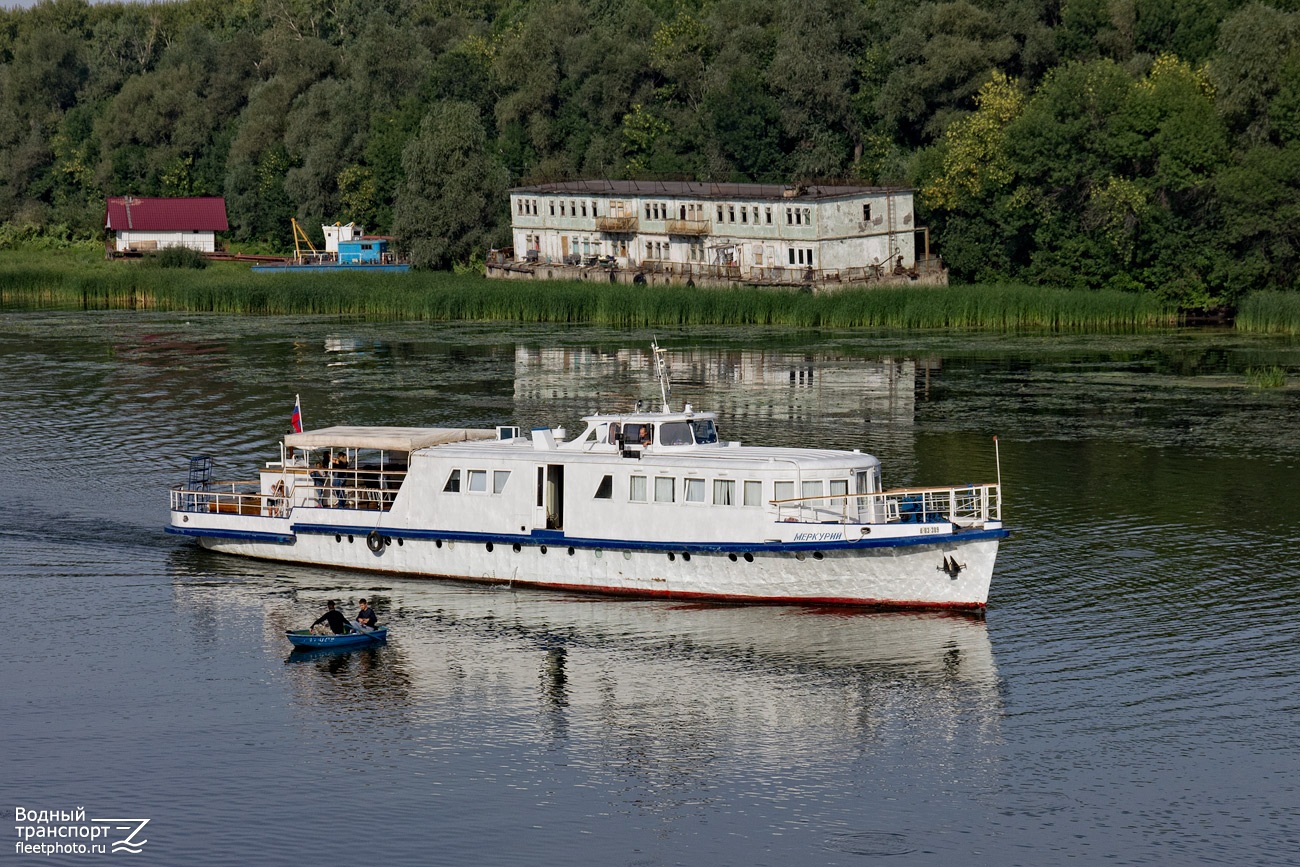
point(364, 489)
point(964, 505)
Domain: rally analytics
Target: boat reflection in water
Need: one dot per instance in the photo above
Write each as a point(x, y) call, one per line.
point(655, 682)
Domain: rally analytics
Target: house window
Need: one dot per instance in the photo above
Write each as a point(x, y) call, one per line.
point(808, 252)
point(807, 216)
point(636, 489)
point(499, 479)
point(791, 251)
point(552, 209)
point(731, 213)
point(744, 215)
point(724, 492)
point(647, 210)
point(789, 216)
point(753, 493)
point(719, 213)
point(561, 209)
point(798, 216)
point(477, 481)
point(453, 483)
point(768, 211)
point(584, 209)
point(866, 213)
point(605, 490)
point(665, 489)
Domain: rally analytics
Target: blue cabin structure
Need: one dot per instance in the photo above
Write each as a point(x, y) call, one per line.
point(363, 251)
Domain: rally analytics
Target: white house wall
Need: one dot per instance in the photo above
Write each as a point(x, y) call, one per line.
point(202, 241)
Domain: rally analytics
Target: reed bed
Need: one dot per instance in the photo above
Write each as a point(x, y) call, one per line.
point(1270, 313)
point(84, 280)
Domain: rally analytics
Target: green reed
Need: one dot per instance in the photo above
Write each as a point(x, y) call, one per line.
point(84, 280)
point(1270, 313)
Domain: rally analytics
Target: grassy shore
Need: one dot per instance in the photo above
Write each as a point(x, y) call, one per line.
point(83, 279)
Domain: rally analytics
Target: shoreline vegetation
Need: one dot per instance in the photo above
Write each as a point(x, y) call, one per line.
point(79, 279)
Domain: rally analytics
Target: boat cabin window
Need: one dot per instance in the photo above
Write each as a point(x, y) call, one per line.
point(636, 490)
point(753, 493)
point(724, 492)
point(477, 481)
point(694, 490)
point(812, 488)
point(675, 433)
point(605, 490)
point(643, 434)
point(783, 491)
point(665, 488)
point(839, 492)
point(705, 432)
point(499, 479)
point(611, 436)
point(453, 483)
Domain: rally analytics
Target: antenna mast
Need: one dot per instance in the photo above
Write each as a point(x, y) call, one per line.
point(661, 372)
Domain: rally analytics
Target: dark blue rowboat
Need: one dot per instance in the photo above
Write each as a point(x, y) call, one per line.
point(304, 638)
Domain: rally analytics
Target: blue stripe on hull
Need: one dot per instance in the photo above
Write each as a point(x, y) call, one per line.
point(237, 535)
point(556, 538)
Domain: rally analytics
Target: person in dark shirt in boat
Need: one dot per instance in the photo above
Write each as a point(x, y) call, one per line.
point(366, 616)
point(334, 619)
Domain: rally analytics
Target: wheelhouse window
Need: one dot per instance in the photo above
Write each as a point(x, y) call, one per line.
point(665, 489)
point(694, 489)
point(605, 490)
point(636, 489)
point(724, 492)
point(453, 483)
point(704, 431)
point(675, 433)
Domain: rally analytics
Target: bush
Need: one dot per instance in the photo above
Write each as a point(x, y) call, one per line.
point(175, 257)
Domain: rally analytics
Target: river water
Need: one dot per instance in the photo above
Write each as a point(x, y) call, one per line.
point(1131, 696)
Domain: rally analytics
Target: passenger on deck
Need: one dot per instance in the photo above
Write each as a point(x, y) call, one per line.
point(340, 470)
point(320, 478)
point(334, 619)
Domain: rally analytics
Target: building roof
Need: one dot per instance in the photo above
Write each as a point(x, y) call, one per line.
point(194, 214)
point(703, 190)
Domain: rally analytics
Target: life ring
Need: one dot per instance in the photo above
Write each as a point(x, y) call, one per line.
point(375, 542)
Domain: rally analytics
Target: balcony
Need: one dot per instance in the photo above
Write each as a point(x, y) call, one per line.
point(688, 227)
point(617, 225)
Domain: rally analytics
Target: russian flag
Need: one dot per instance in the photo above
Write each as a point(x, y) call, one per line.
point(295, 420)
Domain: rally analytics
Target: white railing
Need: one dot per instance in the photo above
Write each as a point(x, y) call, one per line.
point(372, 490)
point(965, 505)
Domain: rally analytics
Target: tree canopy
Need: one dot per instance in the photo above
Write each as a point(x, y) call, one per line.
point(1146, 145)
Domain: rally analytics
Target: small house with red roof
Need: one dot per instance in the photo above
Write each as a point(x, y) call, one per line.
point(143, 224)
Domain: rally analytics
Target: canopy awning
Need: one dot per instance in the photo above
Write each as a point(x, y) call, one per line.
point(389, 439)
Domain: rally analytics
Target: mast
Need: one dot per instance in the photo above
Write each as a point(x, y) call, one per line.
point(661, 372)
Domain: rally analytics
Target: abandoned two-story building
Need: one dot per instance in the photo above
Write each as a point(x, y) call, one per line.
point(716, 234)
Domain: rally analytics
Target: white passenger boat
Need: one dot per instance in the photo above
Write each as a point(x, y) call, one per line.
point(643, 502)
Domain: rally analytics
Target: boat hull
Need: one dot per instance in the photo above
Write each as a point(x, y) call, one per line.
point(304, 638)
point(949, 571)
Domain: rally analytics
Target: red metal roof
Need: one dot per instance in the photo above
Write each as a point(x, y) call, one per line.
point(196, 214)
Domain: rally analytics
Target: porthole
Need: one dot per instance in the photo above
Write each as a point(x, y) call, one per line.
point(438, 544)
point(349, 540)
point(599, 553)
point(399, 542)
point(818, 555)
point(627, 555)
point(731, 557)
point(570, 551)
point(686, 555)
point(489, 547)
point(518, 548)
point(543, 549)
point(338, 538)
point(749, 558)
point(800, 556)
point(671, 556)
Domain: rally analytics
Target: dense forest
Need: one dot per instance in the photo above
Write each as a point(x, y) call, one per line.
point(1145, 145)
